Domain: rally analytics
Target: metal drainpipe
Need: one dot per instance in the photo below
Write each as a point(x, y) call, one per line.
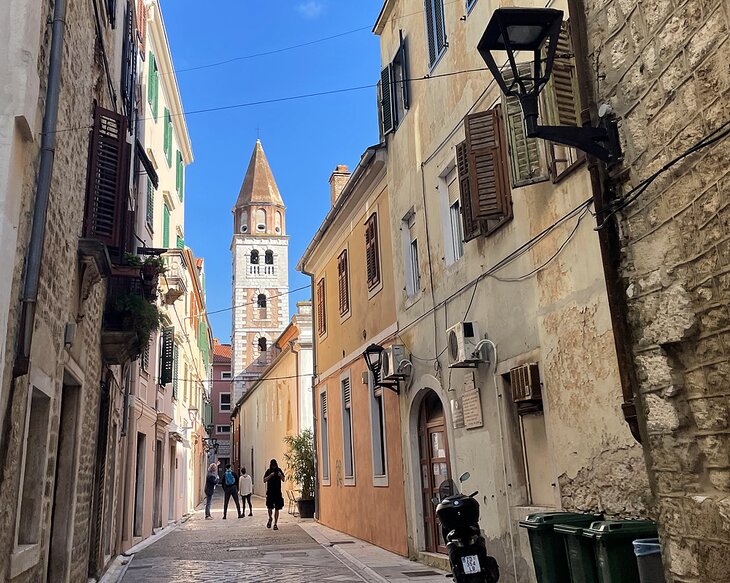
point(43, 189)
point(314, 401)
point(608, 237)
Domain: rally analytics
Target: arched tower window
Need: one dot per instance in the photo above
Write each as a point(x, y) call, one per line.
point(277, 223)
point(254, 257)
point(261, 301)
point(243, 222)
point(260, 220)
point(262, 344)
point(269, 258)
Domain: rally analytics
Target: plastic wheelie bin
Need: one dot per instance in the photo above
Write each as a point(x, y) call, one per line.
point(612, 541)
point(649, 560)
point(548, 549)
point(580, 552)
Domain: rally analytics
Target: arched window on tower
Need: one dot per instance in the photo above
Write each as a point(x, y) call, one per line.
point(262, 344)
point(261, 220)
point(277, 222)
point(254, 257)
point(243, 222)
point(269, 257)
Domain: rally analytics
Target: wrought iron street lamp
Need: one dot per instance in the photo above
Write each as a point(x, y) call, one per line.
point(537, 30)
point(373, 356)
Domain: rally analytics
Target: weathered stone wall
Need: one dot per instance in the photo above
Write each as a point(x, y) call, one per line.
point(664, 67)
point(82, 84)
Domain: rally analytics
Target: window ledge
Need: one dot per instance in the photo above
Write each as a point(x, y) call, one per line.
point(380, 481)
point(346, 316)
point(376, 290)
point(438, 58)
point(412, 300)
point(326, 482)
point(24, 557)
point(349, 481)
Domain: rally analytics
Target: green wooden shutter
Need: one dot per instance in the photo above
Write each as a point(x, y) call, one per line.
point(168, 138)
point(150, 204)
point(175, 362)
point(152, 85)
point(561, 94)
point(166, 227)
point(386, 99)
point(489, 187)
point(472, 226)
point(167, 355)
point(179, 175)
point(180, 242)
point(524, 153)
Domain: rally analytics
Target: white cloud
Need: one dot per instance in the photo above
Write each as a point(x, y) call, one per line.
point(311, 8)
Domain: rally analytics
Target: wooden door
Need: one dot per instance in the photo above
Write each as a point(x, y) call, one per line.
point(435, 465)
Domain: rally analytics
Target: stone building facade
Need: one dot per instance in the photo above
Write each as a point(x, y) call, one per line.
point(664, 68)
point(495, 250)
point(50, 402)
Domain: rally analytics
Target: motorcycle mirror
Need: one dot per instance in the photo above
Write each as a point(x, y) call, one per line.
point(435, 500)
point(464, 477)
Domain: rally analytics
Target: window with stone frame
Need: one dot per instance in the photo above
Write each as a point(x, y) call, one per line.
point(321, 309)
point(372, 252)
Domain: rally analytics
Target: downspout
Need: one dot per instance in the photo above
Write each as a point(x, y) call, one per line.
point(42, 194)
point(314, 401)
point(608, 236)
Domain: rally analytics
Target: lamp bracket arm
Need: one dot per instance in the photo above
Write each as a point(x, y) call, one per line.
point(601, 142)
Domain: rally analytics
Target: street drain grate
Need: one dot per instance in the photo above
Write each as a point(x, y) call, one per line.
point(420, 573)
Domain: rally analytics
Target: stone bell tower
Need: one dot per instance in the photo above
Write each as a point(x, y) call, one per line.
point(260, 250)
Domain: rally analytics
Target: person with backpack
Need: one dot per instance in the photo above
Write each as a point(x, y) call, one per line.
point(230, 488)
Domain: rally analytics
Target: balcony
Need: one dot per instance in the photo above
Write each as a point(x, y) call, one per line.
point(257, 269)
point(176, 269)
point(129, 316)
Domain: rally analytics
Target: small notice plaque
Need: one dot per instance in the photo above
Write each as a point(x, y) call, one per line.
point(457, 413)
point(472, 404)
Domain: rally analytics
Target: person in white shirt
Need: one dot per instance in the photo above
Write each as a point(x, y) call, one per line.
point(245, 489)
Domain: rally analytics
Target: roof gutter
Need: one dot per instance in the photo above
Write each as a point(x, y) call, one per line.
point(42, 194)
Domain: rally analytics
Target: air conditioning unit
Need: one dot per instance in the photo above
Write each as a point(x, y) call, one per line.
point(462, 343)
point(390, 361)
point(525, 381)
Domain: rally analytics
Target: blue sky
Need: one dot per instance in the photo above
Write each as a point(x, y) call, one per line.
point(304, 139)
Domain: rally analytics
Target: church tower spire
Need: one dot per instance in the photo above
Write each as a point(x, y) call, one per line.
point(260, 272)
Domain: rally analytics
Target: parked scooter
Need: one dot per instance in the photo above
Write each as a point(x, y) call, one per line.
point(459, 518)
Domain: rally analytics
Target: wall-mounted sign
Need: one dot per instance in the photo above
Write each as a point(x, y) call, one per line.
point(457, 413)
point(471, 404)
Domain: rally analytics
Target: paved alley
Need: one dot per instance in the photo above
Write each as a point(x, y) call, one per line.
point(244, 550)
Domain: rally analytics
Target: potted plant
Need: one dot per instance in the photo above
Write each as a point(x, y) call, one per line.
point(300, 468)
point(128, 323)
point(152, 267)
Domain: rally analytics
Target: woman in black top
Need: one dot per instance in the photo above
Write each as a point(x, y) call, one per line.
point(274, 499)
point(210, 481)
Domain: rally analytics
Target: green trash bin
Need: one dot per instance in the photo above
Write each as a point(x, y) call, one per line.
point(580, 552)
point(612, 539)
point(548, 549)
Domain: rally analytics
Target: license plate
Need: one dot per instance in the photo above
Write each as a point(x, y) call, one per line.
point(470, 564)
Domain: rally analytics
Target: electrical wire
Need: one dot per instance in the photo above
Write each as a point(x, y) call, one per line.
point(286, 293)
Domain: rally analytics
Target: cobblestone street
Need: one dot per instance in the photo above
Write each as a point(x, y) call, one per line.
point(236, 550)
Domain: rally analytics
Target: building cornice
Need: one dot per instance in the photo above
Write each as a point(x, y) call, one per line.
point(385, 13)
point(168, 78)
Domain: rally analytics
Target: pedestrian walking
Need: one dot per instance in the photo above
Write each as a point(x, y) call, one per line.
point(245, 489)
point(210, 481)
point(274, 499)
point(230, 489)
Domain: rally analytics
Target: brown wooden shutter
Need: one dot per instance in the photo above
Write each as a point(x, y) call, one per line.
point(342, 283)
point(107, 180)
point(321, 315)
point(487, 154)
point(372, 253)
point(141, 26)
point(346, 393)
point(472, 226)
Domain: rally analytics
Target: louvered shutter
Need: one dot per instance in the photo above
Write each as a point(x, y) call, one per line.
point(152, 83)
point(175, 362)
point(180, 243)
point(371, 252)
point(150, 203)
point(167, 146)
point(472, 226)
point(342, 283)
point(167, 355)
point(107, 179)
point(346, 393)
point(525, 161)
point(488, 185)
point(321, 315)
point(403, 57)
point(562, 89)
point(439, 25)
point(166, 227)
point(430, 33)
point(386, 99)
point(179, 175)
point(324, 405)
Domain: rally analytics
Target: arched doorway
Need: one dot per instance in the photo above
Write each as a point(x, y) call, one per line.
point(435, 464)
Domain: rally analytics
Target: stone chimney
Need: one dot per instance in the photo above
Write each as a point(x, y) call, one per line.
point(338, 179)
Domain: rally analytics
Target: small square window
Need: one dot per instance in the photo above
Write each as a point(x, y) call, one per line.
point(226, 376)
point(225, 402)
point(222, 428)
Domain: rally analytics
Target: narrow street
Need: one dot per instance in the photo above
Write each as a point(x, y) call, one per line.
point(244, 550)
